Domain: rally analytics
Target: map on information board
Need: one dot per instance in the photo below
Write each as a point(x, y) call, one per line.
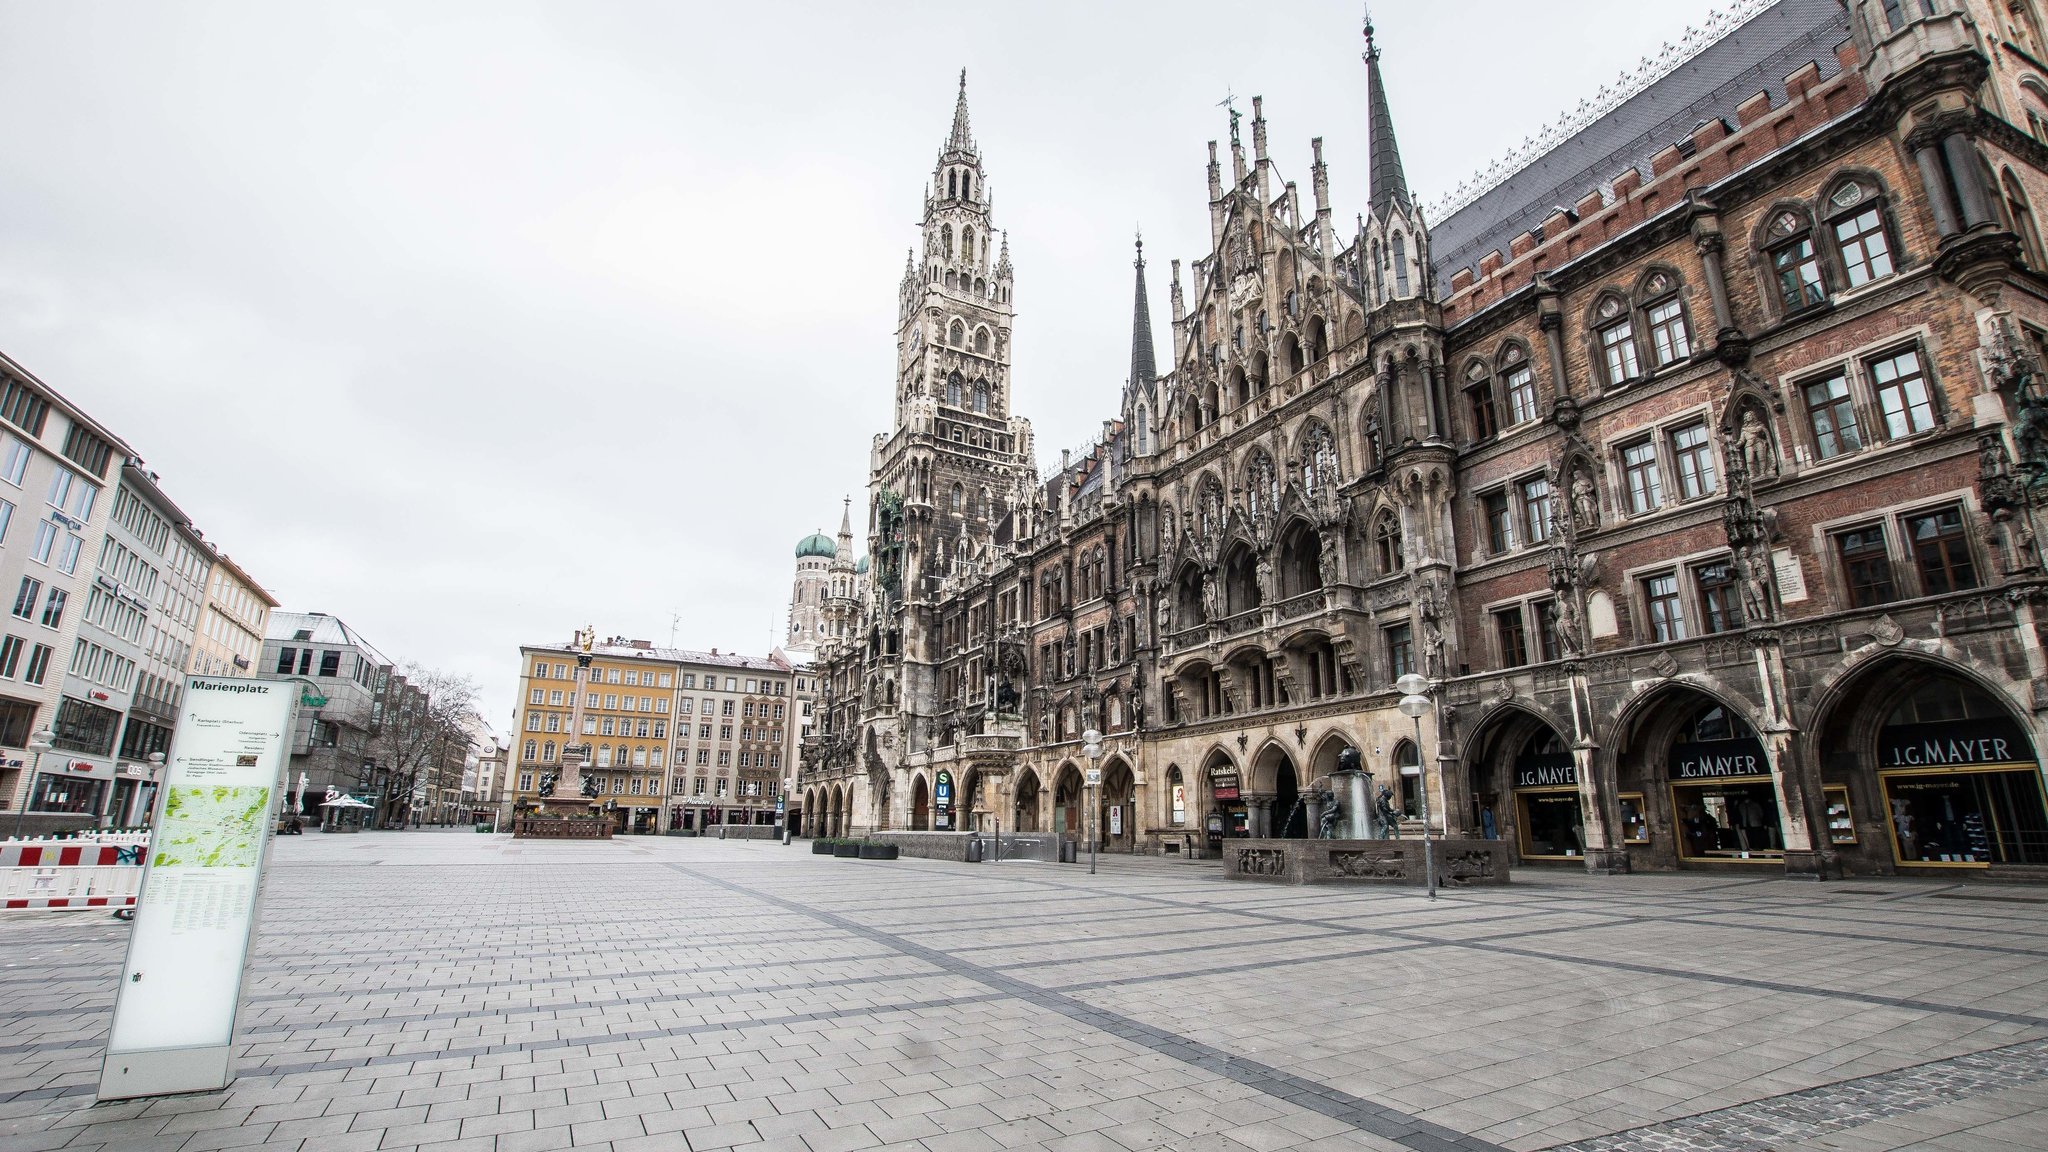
point(217, 826)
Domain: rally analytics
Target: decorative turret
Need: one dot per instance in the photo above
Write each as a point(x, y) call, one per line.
point(1394, 244)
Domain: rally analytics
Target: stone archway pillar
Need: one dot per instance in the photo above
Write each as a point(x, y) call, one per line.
point(1599, 785)
point(1801, 801)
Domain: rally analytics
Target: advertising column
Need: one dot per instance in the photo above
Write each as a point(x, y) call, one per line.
point(179, 991)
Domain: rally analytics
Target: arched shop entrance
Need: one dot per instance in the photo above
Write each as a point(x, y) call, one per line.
point(837, 824)
point(920, 806)
point(1695, 785)
point(966, 800)
point(1525, 788)
point(1025, 811)
point(1066, 802)
point(1923, 767)
point(1223, 797)
point(1286, 817)
point(1119, 815)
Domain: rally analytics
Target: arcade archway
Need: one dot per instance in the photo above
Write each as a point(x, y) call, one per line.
point(1925, 767)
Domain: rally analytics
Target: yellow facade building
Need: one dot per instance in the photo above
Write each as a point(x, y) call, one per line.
point(673, 739)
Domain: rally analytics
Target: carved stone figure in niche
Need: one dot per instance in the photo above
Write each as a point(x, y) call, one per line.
point(1165, 528)
point(1164, 620)
point(1372, 435)
point(1326, 558)
point(1212, 511)
point(1432, 650)
point(1571, 632)
point(1585, 500)
point(1754, 441)
point(1752, 572)
point(1264, 572)
point(1212, 597)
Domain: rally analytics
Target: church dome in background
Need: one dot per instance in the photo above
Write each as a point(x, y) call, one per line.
point(862, 566)
point(816, 544)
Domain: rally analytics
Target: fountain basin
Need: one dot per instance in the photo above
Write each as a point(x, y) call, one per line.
point(1459, 863)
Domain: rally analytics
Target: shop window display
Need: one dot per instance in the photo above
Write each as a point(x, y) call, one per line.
point(1961, 783)
point(1721, 791)
point(1635, 819)
point(1552, 823)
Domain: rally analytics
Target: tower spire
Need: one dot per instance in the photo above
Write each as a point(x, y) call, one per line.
point(1144, 370)
point(960, 139)
point(1389, 183)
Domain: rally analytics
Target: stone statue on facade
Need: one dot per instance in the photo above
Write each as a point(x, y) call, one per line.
point(1326, 557)
point(1754, 442)
point(1585, 499)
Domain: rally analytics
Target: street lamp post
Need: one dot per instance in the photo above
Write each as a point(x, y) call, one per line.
point(39, 742)
point(1415, 705)
point(1091, 746)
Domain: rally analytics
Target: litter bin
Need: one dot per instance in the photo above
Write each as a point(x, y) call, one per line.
point(1069, 851)
point(974, 850)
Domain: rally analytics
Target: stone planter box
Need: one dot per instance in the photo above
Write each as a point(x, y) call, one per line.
point(878, 851)
point(846, 851)
point(821, 847)
point(1459, 863)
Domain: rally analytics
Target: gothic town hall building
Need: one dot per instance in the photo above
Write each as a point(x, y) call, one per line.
point(1694, 460)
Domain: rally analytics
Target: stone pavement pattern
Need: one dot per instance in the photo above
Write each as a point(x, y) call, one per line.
point(457, 992)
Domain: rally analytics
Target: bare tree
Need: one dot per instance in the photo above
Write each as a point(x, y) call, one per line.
point(426, 717)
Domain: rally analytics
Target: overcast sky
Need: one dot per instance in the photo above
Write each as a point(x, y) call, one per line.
point(472, 324)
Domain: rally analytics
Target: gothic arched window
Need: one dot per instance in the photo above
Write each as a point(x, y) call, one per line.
point(981, 341)
point(946, 240)
point(953, 390)
point(981, 396)
point(1318, 458)
point(1386, 540)
point(956, 334)
point(956, 498)
point(967, 245)
point(1262, 485)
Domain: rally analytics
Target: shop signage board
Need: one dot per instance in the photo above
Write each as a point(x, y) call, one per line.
point(1953, 744)
point(1719, 760)
point(1547, 770)
point(180, 988)
point(942, 801)
point(1224, 785)
point(1116, 820)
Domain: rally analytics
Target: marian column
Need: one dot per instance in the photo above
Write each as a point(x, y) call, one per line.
point(568, 793)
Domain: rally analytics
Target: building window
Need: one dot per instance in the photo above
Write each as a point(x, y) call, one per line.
point(53, 608)
point(1720, 601)
point(1536, 511)
point(1500, 523)
point(526, 781)
point(25, 599)
point(1798, 274)
point(1521, 389)
point(1668, 337)
point(1860, 239)
point(1546, 631)
point(1866, 566)
point(1667, 612)
point(1693, 451)
point(1479, 401)
point(1618, 345)
point(1902, 394)
point(38, 663)
point(1513, 639)
point(1386, 537)
point(1941, 551)
point(1400, 651)
point(1642, 476)
point(1831, 417)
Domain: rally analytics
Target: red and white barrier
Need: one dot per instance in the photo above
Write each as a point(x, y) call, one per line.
point(69, 874)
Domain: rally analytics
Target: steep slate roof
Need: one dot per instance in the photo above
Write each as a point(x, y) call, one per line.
point(1754, 57)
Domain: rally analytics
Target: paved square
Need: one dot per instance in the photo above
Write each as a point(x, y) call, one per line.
point(458, 992)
